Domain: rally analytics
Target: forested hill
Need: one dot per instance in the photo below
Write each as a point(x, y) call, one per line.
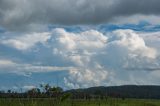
point(127, 91)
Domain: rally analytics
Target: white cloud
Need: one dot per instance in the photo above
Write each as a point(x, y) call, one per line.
point(132, 42)
point(4, 63)
point(27, 69)
point(77, 46)
point(26, 41)
point(92, 58)
point(78, 49)
point(152, 39)
point(28, 87)
point(85, 77)
point(95, 55)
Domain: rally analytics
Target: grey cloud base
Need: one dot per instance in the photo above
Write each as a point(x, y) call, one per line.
point(22, 14)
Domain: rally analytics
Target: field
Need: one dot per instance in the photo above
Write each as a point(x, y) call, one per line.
point(52, 102)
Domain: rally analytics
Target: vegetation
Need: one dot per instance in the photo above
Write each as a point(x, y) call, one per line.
point(127, 91)
point(47, 95)
point(70, 102)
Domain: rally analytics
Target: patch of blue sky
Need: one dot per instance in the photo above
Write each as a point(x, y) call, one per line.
point(7, 52)
point(11, 80)
point(68, 28)
point(141, 26)
point(2, 30)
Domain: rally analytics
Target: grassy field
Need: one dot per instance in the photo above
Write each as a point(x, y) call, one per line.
point(51, 102)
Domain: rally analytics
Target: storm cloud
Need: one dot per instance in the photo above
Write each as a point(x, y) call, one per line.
point(22, 14)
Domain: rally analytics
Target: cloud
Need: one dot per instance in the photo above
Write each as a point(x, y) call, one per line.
point(28, 87)
point(152, 38)
point(32, 13)
point(26, 41)
point(135, 19)
point(78, 48)
point(6, 63)
point(131, 41)
point(98, 56)
point(27, 69)
point(90, 57)
point(77, 45)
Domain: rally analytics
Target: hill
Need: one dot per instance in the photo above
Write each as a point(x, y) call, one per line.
point(126, 91)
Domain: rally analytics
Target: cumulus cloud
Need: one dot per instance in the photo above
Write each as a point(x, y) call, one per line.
point(30, 13)
point(127, 50)
point(77, 45)
point(131, 41)
point(78, 48)
point(91, 58)
point(152, 38)
point(95, 55)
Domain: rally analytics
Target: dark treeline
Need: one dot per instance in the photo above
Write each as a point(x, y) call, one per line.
point(128, 91)
point(44, 91)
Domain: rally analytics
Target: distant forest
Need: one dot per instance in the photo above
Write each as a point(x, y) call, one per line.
point(127, 91)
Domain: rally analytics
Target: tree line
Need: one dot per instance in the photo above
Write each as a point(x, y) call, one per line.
point(44, 91)
point(47, 91)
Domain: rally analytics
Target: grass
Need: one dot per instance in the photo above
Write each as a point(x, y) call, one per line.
point(52, 102)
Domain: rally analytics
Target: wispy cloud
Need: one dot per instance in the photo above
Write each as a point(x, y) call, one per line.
point(9, 66)
point(26, 41)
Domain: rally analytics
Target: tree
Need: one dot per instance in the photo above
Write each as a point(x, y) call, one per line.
point(54, 91)
point(9, 91)
point(34, 92)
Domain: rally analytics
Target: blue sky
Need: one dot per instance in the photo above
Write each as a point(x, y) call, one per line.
point(81, 45)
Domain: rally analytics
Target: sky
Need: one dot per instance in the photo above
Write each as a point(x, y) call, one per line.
point(79, 43)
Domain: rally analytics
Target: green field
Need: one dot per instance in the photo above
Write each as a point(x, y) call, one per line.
point(52, 102)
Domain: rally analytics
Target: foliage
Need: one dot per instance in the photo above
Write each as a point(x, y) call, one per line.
point(70, 102)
